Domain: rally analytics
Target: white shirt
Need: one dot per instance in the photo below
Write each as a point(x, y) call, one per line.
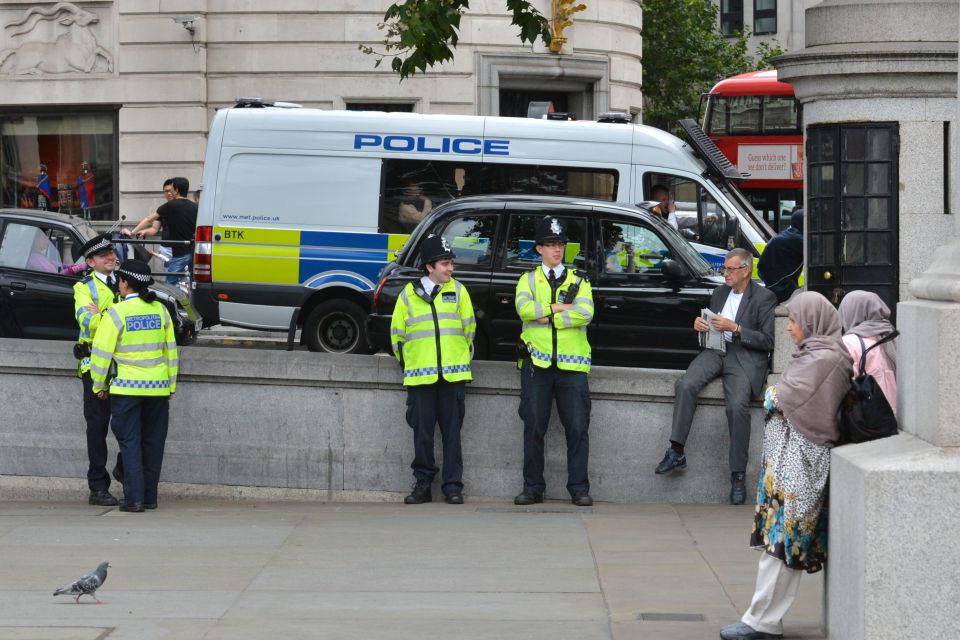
point(672, 220)
point(102, 277)
point(428, 284)
point(558, 270)
point(729, 311)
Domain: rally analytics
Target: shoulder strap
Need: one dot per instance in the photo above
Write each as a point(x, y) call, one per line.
point(863, 348)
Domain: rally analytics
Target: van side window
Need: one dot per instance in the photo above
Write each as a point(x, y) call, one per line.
point(521, 252)
point(699, 217)
point(631, 248)
point(597, 184)
point(471, 238)
point(411, 189)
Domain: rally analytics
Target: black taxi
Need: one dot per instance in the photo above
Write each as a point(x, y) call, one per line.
point(648, 283)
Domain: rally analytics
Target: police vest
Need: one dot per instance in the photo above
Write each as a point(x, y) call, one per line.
point(138, 338)
point(433, 338)
point(90, 290)
point(563, 340)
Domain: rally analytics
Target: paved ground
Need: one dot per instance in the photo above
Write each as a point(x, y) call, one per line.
point(245, 570)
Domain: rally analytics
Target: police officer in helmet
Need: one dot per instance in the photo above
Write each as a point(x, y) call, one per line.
point(95, 293)
point(556, 305)
point(432, 334)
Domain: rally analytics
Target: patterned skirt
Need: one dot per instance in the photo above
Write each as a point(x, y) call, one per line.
point(791, 515)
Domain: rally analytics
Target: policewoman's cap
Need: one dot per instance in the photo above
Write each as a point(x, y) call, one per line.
point(96, 244)
point(549, 230)
point(435, 248)
point(136, 270)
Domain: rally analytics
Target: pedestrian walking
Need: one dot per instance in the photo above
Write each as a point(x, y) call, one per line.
point(556, 305)
point(432, 334)
point(134, 364)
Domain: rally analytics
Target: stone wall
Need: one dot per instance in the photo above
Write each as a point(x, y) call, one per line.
point(335, 425)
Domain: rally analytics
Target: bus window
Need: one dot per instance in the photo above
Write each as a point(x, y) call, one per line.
point(716, 116)
point(597, 184)
point(744, 114)
point(412, 188)
point(780, 115)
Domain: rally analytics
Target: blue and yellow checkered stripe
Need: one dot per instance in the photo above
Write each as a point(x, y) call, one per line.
point(296, 257)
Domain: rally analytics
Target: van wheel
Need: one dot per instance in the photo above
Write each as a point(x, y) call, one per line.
point(336, 326)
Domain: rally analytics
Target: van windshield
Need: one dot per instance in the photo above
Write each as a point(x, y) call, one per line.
point(748, 215)
point(689, 255)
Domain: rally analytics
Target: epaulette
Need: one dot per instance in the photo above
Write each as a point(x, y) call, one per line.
point(580, 273)
point(87, 278)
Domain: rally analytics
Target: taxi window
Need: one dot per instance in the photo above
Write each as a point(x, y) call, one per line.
point(521, 250)
point(42, 249)
point(631, 248)
point(471, 238)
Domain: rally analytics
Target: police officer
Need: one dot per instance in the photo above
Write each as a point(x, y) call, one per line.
point(137, 335)
point(555, 305)
point(432, 336)
point(96, 292)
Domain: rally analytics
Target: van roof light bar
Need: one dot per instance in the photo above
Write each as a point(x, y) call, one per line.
point(259, 103)
point(707, 151)
point(617, 117)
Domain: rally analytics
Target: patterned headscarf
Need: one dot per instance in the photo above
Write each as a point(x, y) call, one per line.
point(864, 314)
point(818, 375)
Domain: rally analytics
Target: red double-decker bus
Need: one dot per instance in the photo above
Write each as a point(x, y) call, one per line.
point(755, 120)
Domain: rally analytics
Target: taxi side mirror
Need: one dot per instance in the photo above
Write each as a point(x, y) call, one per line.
point(672, 269)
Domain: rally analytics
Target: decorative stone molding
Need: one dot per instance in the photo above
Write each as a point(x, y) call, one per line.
point(55, 39)
point(589, 75)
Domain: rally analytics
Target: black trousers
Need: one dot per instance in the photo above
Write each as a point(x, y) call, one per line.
point(96, 412)
point(429, 405)
point(140, 424)
point(707, 366)
point(538, 389)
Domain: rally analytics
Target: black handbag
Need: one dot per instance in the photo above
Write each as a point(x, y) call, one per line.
point(865, 413)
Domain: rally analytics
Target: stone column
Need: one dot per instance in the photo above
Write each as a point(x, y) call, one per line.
point(894, 561)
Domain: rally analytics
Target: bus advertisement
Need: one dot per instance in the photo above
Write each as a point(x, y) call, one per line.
point(755, 120)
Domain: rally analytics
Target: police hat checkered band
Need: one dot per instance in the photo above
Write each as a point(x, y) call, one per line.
point(136, 276)
point(103, 244)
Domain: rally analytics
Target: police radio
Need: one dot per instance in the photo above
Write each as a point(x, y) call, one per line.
point(568, 296)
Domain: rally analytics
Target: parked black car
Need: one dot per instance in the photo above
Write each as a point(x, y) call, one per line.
point(38, 251)
point(648, 283)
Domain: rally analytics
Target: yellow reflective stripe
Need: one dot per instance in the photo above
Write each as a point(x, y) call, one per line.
point(141, 362)
point(100, 371)
point(117, 322)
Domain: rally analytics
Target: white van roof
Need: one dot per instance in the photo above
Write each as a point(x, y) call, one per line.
point(579, 142)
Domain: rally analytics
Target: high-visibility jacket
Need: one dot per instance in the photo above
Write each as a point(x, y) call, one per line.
point(433, 338)
point(138, 337)
point(563, 340)
point(90, 290)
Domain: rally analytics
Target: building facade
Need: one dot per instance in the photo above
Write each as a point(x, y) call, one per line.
point(101, 100)
point(770, 21)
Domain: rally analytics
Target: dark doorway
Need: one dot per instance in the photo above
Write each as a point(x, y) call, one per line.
point(852, 216)
point(513, 102)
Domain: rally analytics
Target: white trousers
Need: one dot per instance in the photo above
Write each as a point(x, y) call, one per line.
point(776, 590)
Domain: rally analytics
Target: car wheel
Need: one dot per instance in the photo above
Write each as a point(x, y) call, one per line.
point(336, 326)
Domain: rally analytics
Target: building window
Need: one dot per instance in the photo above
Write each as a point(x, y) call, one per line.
point(731, 17)
point(402, 107)
point(60, 162)
point(764, 17)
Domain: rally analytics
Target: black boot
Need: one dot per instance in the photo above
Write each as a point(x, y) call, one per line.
point(420, 493)
point(738, 487)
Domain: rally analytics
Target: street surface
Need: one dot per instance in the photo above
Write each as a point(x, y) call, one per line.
point(217, 570)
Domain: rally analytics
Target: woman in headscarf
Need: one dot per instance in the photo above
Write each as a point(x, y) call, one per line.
point(866, 319)
point(791, 519)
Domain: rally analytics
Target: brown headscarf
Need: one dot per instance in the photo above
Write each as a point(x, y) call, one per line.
point(818, 375)
point(864, 314)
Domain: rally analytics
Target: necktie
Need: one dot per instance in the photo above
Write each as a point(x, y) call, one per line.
point(553, 279)
point(436, 290)
point(111, 282)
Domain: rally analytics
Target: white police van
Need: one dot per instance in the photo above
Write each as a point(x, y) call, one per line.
point(302, 208)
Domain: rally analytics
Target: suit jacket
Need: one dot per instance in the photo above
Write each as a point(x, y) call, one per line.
point(751, 350)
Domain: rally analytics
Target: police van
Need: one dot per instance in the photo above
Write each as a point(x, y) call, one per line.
point(302, 208)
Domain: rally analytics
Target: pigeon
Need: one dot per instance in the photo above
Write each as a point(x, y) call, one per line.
point(87, 585)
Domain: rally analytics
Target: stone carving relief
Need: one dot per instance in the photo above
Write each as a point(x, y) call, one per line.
point(55, 39)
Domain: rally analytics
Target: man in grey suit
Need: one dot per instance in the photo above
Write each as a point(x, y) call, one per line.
point(746, 317)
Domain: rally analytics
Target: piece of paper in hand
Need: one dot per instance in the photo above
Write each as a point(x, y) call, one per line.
point(711, 339)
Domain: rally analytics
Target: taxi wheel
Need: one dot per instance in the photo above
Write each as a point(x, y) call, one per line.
point(336, 326)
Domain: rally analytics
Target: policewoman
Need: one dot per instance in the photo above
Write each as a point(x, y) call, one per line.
point(556, 305)
point(96, 292)
point(432, 336)
point(136, 337)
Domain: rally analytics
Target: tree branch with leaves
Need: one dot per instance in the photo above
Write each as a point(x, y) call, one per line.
point(424, 33)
